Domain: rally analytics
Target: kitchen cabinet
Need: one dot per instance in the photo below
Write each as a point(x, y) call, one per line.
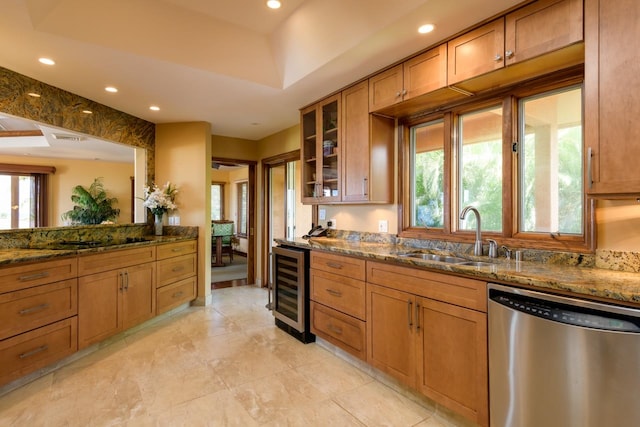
point(38, 316)
point(612, 73)
point(367, 149)
point(419, 75)
point(116, 290)
point(176, 274)
point(320, 151)
point(337, 293)
point(429, 330)
point(548, 29)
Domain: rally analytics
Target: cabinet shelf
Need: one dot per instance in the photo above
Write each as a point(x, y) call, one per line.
point(311, 160)
point(310, 137)
point(332, 130)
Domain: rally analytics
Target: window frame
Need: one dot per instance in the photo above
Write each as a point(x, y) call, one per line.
point(240, 213)
point(41, 186)
point(510, 235)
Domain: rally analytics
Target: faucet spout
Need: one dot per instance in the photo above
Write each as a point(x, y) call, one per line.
point(477, 248)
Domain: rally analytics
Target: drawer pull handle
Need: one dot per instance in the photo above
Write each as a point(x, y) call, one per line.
point(34, 351)
point(334, 292)
point(33, 309)
point(410, 313)
point(334, 265)
point(178, 268)
point(177, 249)
point(334, 329)
point(178, 294)
point(35, 276)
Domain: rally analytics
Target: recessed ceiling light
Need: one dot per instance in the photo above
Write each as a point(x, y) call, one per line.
point(87, 111)
point(274, 4)
point(46, 61)
point(154, 108)
point(34, 95)
point(426, 28)
point(111, 89)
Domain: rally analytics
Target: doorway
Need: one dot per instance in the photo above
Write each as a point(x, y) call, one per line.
point(285, 215)
point(234, 185)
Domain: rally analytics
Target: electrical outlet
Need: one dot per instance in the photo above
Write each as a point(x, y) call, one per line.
point(332, 223)
point(322, 214)
point(383, 226)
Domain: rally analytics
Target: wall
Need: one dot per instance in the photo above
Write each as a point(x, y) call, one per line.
point(618, 225)
point(183, 156)
point(69, 173)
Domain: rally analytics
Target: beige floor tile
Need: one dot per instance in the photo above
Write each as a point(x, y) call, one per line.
point(325, 413)
point(374, 404)
point(333, 376)
point(267, 398)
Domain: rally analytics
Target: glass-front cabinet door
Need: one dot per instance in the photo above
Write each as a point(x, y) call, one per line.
point(321, 151)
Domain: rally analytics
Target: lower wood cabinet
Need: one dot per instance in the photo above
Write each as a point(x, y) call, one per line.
point(417, 335)
point(177, 269)
point(113, 301)
point(339, 329)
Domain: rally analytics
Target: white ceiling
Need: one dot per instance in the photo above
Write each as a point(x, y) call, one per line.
point(242, 67)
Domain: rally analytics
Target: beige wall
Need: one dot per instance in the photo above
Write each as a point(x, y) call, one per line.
point(183, 156)
point(234, 148)
point(618, 225)
point(69, 173)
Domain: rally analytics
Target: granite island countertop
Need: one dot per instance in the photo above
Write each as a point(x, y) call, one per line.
point(44, 252)
point(595, 283)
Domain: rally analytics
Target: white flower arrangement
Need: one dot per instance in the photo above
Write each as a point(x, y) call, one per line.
point(160, 200)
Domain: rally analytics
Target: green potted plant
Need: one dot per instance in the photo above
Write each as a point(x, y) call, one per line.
point(92, 205)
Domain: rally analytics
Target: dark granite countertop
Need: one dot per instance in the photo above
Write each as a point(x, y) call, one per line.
point(46, 251)
point(591, 282)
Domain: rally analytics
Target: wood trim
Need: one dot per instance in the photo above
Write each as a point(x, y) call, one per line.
point(26, 169)
point(19, 133)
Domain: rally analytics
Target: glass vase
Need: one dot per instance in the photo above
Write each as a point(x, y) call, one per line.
point(158, 224)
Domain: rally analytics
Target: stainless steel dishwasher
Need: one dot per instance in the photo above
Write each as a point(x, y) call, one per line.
point(560, 361)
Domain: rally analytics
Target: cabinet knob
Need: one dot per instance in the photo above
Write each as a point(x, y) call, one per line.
point(498, 57)
point(398, 94)
point(508, 53)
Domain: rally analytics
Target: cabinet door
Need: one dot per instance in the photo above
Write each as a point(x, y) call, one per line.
point(452, 358)
point(426, 72)
point(355, 134)
point(139, 296)
point(99, 299)
point(542, 27)
point(320, 152)
point(612, 73)
point(385, 88)
point(391, 332)
point(476, 52)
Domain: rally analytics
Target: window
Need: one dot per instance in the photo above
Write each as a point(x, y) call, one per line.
point(480, 167)
point(243, 207)
point(23, 196)
point(427, 171)
point(551, 162)
point(217, 201)
point(517, 158)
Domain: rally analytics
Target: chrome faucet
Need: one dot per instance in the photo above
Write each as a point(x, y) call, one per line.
point(477, 249)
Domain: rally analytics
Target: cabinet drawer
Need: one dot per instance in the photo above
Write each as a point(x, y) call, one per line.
point(338, 292)
point(173, 269)
point(112, 260)
point(338, 264)
point(176, 249)
point(172, 296)
point(339, 329)
point(26, 276)
point(33, 350)
point(21, 311)
point(442, 287)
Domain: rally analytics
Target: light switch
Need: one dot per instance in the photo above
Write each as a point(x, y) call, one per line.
point(383, 226)
point(322, 214)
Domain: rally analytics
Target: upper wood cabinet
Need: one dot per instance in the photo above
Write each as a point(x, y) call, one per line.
point(419, 75)
point(367, 146)
point(476, 52)
point(320, 151)
point(612, 76)
point(537, 29)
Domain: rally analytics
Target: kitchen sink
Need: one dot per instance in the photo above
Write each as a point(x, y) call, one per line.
point(477, 264)
point(435, 257)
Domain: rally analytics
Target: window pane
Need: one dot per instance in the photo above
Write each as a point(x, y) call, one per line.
point(427, 153)
point(480, 167)
point(551, 163)
point(242, 208)
point(216, 202)
point(17, 202)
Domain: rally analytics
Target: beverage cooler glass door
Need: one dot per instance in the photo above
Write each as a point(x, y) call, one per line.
point(289, 281)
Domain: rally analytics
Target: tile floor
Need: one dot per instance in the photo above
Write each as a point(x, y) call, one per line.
point(221, 365)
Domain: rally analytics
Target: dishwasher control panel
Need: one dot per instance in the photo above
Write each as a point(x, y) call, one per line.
point(564, 313)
